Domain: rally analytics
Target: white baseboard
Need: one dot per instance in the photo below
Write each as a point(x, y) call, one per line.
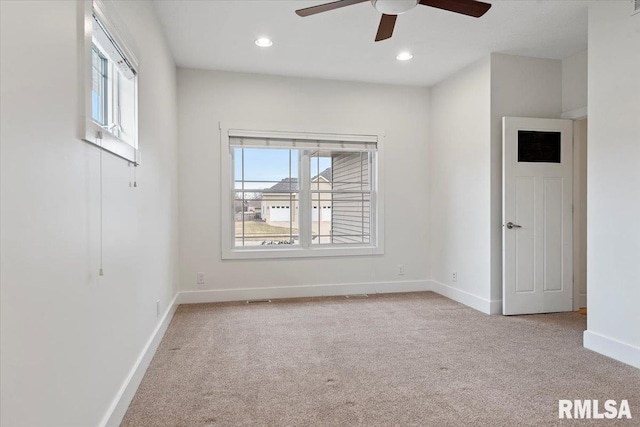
point(121, 402)
point(221, 295)
point(623, 352)
point(607, 346)
point(481, 304)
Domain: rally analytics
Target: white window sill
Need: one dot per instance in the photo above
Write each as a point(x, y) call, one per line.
point(109, 142)
point(298, 252)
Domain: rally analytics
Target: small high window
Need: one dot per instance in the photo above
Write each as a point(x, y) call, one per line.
point(111, 89)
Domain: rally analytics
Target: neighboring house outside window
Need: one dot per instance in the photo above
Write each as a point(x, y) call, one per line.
point(351, 220)
point(278, 212)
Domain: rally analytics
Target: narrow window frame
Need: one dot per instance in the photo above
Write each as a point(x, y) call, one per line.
point(107, 136)
point(104, 74)
point(304, 249)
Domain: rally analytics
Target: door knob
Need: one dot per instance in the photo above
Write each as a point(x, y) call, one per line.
point(511, 225)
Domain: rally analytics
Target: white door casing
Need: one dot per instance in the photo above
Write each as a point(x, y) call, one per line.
point(579, 213)
point(537, 199)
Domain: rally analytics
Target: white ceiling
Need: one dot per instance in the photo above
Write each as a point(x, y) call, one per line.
point(219, 35)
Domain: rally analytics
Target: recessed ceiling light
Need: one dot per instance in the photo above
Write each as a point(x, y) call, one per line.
point(264, 42)
point(404, 56)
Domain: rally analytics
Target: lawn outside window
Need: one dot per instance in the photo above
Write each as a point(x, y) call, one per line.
point(300, 194)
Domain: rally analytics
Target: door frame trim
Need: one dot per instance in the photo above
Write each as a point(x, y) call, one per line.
point(504, 219)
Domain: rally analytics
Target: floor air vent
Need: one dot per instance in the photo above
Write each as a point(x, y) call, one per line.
point(257, 301)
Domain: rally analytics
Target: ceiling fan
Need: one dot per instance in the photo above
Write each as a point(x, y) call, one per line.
point(390, 10)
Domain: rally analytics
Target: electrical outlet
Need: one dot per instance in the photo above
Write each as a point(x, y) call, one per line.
point(157, 308)
point(200, 278)
point(400, 270)
point(454, 276)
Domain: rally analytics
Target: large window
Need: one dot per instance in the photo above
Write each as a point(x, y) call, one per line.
point(301, 197)
point(110, 119)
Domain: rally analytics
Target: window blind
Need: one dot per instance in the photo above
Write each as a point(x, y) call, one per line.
point(242, 139)
point(113, 44)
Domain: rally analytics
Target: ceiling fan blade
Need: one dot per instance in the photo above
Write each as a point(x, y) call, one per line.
point(385, 29)
point(327, 7)
point(466, 7)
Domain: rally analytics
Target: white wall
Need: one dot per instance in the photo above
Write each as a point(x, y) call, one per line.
point(574, 82)
point(69, 337)
point(466, 167)
point(459, 175)
point(206, 98)
point(574, 106)
point(613, 229)
point(520, 87)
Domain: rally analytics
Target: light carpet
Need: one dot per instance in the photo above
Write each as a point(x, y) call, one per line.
point(415, 359)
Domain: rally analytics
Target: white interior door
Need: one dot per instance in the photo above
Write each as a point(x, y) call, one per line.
point(537, 217)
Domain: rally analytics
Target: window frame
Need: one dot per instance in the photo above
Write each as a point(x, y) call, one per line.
point(304, 249)
point(104, 73)
point(89, 130)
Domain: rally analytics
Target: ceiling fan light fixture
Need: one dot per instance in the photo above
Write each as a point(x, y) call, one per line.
point(263, 42)
point(394, 7)
point(404, 56)
point(390, 10)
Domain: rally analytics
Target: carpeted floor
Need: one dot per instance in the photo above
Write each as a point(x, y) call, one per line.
point(414, 359)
